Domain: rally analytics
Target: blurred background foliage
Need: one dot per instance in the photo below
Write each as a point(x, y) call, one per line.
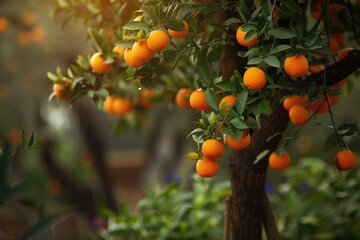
point(86, 162)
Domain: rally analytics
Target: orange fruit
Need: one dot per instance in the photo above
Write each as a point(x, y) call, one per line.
point(212, 148)
point(4, 23)
point(37, 34)
point(158, 40)
point(120, 52)
point(180, 34)
point(108, 104)
point(333, 46)
point(319, 106)
point(29, 17)
point(254, 78)
point(141, 50)
point(341, 83)
point(207, 168)
point(344, 52)
point(296, 66)
point(24, 37)
point(229, 101)
point(294, 100)
point(333, 99)
point(121, 105)
point(63, 90)
point(298, 115)
point(242, 143)
point(340, 39)
point(97, 63)
point(198, 100)
point(316, 68)
point(145, 98)
point(316, 9)
point(240, 37)
point(131, 60)
point(183, 96)
point(345, 160)
point(279, 162)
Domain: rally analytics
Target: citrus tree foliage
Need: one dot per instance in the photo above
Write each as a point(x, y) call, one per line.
point(181, 45)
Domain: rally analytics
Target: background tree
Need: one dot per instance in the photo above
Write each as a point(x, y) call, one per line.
point(249, 67)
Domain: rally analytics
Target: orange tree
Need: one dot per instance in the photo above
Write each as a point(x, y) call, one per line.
point(249, 67)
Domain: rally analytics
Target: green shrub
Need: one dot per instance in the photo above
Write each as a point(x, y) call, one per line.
point(174, 213)
point(317, 202)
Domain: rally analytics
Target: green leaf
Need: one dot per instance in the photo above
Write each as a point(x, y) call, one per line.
point(279, 48)
point(170, 55)
point(241, 102)
point(196, 130)
point(272, 61)
point(39, 228)
point(244, 11)
point(212, 99)
point(31, 141)
point(255, 61)
point(261, 156)
point(292, 6)
point(252, 51)
point(281, 33)
point(250, 35)
point(205, 119)
point(52, 77)
point(137, 25)
point(204, 74)
point(331, 142)
point(239, 123)
point(231, 21)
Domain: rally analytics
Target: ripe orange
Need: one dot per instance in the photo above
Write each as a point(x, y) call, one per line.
point(296, 66)
point(121, 105)
point(37, 34)
point(240, 37)
point(340, 39)
point(29, 17)
point(333, 46)
point(120, 52)
point(345, 160)
point(63, 90)
point(145, 98)
point(4, 23)
point(207, 168)
point(141, 50)
point(344, 52)
point(131, 60)
point(319, 106)
point(98, 65)
point(254, 78)
point(212, 148)
point(341, 83)
point(294, 100)
point(23, 38)
point(158, 40)
point(183, 96)
point(279, 162)
point(242, 143)
point(316, 9)
point(316, 68)
point(180, 34)
point(229, 101)
point(108, 104)
point(298, 115)
point(198, 100)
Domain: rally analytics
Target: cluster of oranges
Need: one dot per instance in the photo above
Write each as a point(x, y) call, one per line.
point(141, 51)
point(34, 33)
